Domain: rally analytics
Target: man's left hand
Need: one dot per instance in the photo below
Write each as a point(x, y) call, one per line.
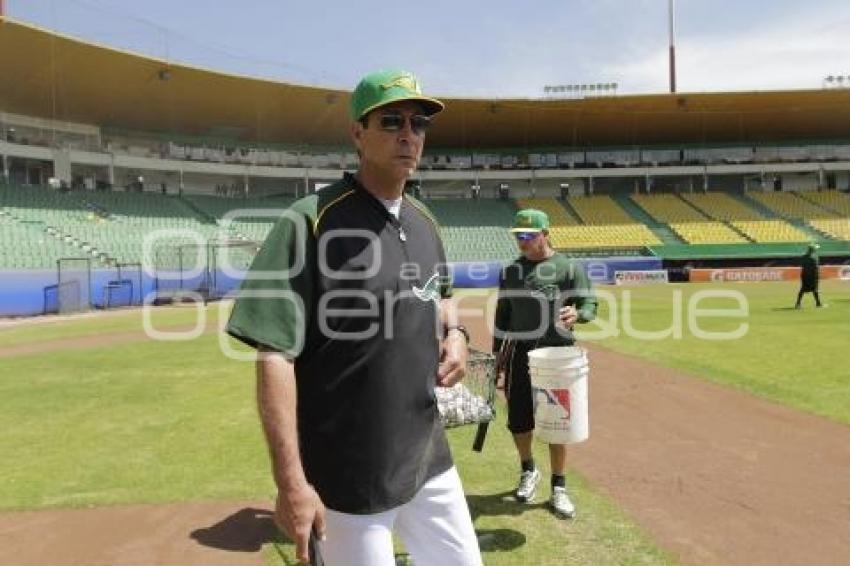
point(453, 355)
point(568, 316)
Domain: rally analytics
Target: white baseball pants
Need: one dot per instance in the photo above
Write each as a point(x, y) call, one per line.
point(435, 527)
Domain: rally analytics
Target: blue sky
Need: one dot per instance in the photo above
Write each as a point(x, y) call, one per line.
point(495, 48)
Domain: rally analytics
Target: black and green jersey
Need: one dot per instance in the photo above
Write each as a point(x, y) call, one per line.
point(809, 274)
point(530, 295)
point(351, 293)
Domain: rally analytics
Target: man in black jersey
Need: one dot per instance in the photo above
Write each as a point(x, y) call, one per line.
point(542, 294)
point(809, 276)
point(349, 301)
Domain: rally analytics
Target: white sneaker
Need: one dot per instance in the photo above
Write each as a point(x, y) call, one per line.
point(527, 488)
point(561, 504)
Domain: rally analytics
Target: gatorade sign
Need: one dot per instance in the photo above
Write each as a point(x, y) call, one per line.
point(750, 274)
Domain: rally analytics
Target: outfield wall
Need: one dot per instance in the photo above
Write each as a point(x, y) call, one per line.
point(28, 292)
point(747, 251)
point(32, 292)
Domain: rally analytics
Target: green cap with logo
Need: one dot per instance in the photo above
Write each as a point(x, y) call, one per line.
point(385, 87)
point(530, 220)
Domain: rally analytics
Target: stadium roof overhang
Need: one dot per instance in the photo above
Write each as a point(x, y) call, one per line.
point(52, 76)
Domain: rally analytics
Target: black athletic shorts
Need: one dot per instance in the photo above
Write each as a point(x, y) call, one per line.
point(518, 391)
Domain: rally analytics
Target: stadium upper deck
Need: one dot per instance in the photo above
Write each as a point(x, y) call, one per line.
point(92, 84)
point(108, 117)
point(103, 118)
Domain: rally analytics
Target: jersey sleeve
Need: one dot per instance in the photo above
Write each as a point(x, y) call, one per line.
point(274, 300)
point(585, 302)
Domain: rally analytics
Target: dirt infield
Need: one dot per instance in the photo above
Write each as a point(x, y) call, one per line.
point(714, 475)
point(208, 533)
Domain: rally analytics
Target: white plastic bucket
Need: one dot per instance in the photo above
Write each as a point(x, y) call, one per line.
point(554, 379)
point(569, 367)
point(559, 388)
point(556, 357)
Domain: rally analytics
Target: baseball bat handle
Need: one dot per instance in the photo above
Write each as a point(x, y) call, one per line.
point(480, 435)
point(315, 557)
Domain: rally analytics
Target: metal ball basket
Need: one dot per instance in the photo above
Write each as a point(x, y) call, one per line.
point(471, 401)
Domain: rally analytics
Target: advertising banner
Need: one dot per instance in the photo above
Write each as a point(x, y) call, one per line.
point(603, 270)
point(640, 277)
point(763, 274)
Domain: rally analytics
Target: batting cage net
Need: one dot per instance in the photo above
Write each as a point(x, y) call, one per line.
point(471, 401)
point(178, 266)
point(209, 270)
point(73, 288)
point(126, 289)
point(228, 261)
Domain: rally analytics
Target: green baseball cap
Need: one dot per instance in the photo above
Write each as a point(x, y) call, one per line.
point(385, 87)
point(530, 220)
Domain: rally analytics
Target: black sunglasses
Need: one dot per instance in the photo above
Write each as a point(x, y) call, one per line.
point(395, 122)
point(525, 236)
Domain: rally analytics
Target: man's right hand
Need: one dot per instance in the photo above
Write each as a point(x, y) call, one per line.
point(297, 512)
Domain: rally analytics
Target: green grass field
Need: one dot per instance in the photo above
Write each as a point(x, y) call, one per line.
point(169, 421)
point(788, 356)
point(147, 421)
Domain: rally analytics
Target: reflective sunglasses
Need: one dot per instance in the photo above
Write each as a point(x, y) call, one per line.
point(525, 236)
point(395, 122)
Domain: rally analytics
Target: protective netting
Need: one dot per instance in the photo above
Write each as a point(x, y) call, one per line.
point(74, 285)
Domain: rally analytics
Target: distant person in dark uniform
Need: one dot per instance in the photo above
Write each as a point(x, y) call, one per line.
point(809, 275)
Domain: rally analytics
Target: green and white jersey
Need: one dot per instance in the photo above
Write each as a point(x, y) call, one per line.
point(530, 295)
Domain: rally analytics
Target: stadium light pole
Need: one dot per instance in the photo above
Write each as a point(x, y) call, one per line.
point(670, 13)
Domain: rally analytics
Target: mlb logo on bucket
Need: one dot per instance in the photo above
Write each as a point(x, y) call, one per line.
point(560, 397)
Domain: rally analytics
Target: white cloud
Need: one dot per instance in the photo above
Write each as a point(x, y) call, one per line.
point(777, 56)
